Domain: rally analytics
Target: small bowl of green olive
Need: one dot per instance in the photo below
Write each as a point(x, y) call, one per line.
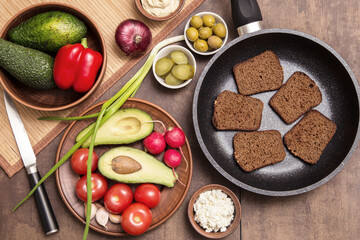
point(206, 33)
point(174, 66)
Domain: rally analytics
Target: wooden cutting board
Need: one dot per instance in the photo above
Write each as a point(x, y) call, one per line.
point(107, 15)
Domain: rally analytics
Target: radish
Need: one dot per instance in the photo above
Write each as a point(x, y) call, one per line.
point(154, 143)
point(172, 158)
point(175, 138)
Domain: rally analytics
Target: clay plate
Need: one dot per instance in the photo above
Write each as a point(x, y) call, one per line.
point(54, 99)
point(171, 198)
point(234, 224)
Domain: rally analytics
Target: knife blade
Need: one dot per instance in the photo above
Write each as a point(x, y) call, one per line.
point(28, 157)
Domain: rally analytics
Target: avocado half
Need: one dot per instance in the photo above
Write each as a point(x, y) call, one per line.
point(148, 168)
point(123, 127)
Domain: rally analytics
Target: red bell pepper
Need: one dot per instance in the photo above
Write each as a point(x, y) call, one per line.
point(76, 66)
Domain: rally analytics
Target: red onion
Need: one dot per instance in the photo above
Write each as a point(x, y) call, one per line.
point(133, 37)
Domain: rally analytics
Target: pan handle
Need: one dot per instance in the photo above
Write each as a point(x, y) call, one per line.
point(246, 16)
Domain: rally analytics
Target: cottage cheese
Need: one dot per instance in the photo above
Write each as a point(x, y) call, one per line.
point(214, 210)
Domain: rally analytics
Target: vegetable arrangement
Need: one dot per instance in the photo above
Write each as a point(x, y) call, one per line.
point(107, 110)
point(54, 31)
point(135, 218)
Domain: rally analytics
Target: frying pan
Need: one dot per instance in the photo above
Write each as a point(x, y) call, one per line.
point(297, 52)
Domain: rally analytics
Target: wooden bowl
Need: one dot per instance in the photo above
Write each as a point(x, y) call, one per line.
point(54, 99)
point(152, 17)
point(171, 198)
point(235, 222)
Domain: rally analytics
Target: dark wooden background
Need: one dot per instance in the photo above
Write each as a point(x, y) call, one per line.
point(328, 212)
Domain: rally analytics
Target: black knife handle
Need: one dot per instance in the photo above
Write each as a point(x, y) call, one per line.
point(245, 12)
point(42, 201)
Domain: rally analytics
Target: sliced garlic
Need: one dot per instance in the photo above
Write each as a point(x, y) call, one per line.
point(102, 217)
point(93, 210)
point(115, 218)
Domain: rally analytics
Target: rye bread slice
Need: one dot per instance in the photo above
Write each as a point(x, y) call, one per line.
point(259, 74)
point(234, 111)
point(253, 150)
point(309, 137)
point(296, 97)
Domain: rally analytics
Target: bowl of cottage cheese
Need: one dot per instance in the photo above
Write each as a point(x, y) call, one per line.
point(214, 211)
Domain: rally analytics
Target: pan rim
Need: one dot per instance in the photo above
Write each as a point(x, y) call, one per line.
point(219, 168)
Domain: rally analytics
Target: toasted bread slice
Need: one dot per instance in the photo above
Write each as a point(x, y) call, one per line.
point(234, 111)
point(259, 74)
point(253, 150)
point(309, 137)
point(296, 97)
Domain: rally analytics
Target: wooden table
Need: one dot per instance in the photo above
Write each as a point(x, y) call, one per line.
point(329, 212)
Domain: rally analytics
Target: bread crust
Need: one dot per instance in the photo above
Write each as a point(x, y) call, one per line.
point(297, 96)
point(254, 150)
point(261, 73)
point(310, 136)
point(234, 111)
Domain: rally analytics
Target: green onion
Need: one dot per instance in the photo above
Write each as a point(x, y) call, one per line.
point(107, 110)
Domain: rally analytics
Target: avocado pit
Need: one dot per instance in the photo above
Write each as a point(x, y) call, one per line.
point(125, 165)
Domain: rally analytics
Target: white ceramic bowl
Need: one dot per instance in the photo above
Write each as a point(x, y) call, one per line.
point(218, 19)
point(166, 51)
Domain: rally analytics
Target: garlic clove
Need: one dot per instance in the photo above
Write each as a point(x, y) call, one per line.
point(114, 218)
point(102, 217)
point(93, 210)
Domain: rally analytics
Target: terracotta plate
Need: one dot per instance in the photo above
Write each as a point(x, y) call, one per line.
point(171, 198)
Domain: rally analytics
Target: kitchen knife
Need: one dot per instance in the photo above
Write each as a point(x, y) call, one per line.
point(28, 157)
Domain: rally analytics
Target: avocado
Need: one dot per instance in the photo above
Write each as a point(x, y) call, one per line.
point(123, 127)
point(131, 165)
point(48, 31)
point(30, 66)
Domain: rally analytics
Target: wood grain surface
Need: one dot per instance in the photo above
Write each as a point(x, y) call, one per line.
point(329, 212)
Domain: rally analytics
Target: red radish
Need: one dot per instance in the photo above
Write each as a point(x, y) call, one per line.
point(154, 143)
point(172, 158)
point(175, 138)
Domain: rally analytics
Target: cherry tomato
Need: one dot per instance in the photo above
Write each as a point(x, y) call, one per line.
point(118, 197)
point(99, 186)
point(136, 219)
point(148, 194)
point(79, 161)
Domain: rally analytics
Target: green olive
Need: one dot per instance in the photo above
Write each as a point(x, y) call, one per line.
point(201, 45)
point(172, 80)
point(182, 71)
point(179, 57)
point(205, 32)
point(163, 66)
point(209, 21)
point(196, 21)
point(214, 42)
point(219, 30)
point(192, 34)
